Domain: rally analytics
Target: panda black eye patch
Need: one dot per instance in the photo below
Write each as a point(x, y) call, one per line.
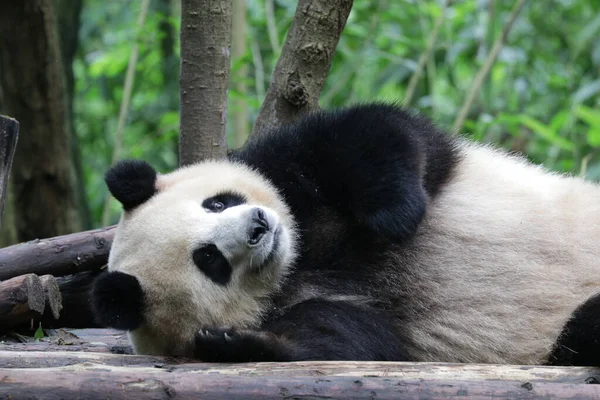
point(213, 264)
point(222, 201)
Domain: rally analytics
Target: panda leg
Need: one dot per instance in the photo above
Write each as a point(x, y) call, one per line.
point(315, 329)
point(579, 343)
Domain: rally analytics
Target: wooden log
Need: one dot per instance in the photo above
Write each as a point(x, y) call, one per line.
point(52, 296)
point(71, 340)
point(9, 134)
point(51, 359)
point(76, 307)
point(48, 347)
point(356, 369)
point(21, 299)
point(59, 255)
point(97, 378)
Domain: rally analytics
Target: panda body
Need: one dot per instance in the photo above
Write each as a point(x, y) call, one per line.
point(386, 240)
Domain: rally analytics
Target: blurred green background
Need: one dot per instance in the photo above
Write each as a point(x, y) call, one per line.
point(540, 98)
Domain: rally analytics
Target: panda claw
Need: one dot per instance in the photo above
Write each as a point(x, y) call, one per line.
point(227, 337)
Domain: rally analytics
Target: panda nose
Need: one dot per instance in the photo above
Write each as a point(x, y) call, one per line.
point(258, 226)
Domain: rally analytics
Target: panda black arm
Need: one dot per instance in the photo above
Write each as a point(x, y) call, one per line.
point(313, 330)
point(375, 163)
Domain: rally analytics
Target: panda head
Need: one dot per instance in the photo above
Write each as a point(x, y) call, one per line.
point(205, 245)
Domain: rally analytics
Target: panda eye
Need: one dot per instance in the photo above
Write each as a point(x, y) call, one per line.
point(212, 263)
point(222, 201)
point(218, 206)
point(208, 257)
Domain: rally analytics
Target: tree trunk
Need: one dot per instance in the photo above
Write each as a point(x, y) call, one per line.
point(8, 232)
point(9, 134)
point(239, 108)
point(305, 60)
point(205, 57)
point(34, 92)
point(68, 13)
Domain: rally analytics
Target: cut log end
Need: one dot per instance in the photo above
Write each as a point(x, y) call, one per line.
point(53, 297)
point(21, 298)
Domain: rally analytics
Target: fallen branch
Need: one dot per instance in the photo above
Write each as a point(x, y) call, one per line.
point(21, 299)
point(9, 134)
point(59, 255)
point(93, 376)
point(305, 61)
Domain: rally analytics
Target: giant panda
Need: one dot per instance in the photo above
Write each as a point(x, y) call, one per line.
point(362, 233)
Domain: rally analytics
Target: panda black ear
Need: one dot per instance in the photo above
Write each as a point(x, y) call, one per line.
point(131, 182)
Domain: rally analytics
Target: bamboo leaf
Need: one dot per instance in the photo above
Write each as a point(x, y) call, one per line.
point(546, 132)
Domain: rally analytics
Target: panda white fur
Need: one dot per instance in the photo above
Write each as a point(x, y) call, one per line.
point(359, 234)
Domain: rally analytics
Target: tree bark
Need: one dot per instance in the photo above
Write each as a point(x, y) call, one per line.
point(305, 61)
point(205, 57)
point(239, 108)
point(9, 134)
point(58, 256)
point(100, 378)
point(21, 299)
point(34, 92)
point(69, 13)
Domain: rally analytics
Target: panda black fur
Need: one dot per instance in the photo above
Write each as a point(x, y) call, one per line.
point(380, 238)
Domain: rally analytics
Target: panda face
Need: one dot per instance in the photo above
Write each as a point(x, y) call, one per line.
point(209, 247)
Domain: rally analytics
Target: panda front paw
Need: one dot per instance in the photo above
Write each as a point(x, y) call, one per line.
point(226, 344)
point(210, 335)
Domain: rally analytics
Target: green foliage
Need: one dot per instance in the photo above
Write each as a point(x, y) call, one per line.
point(542, 96)
point(39, 333)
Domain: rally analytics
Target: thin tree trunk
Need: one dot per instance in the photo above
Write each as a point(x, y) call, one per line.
point(486, 67)
point(69, 13)
point(169, 60)
point(34, 92)
point(205, 58)
point(305, 61)
point(124, 109)
point(9, 134)
point(241, 125)
point(8, 230)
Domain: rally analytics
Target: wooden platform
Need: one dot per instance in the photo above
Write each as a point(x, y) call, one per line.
point(97, 363)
